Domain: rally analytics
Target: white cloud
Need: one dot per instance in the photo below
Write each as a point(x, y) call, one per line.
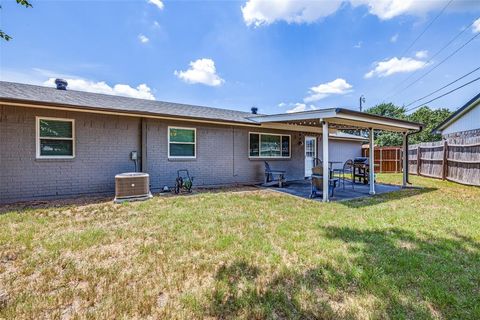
point(298, 107)
point(142, 91)
point(337, 86)
point(201, 71)
point(476, 26)
point(395, 65)
point(421, 54)
point(264, 12)
point(394, 38)
point(143, 38)
point(157, 3)
point(358, 45)
point(388, 9)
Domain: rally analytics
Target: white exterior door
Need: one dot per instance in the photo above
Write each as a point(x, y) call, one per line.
point(310, 154)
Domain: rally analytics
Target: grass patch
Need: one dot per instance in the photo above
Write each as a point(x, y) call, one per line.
point(249, 254)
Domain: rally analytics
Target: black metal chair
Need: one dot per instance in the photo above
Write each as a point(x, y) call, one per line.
point(347, 169)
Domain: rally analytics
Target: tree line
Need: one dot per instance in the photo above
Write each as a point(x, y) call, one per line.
point(430, 118)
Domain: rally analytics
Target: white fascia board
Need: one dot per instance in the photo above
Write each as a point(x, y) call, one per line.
point(382, 123)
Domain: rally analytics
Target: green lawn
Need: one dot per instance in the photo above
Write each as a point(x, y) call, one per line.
point(412, 254)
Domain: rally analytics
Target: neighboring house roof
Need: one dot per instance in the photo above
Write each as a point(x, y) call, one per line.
point(458, 114)
point(347, 136)
point(32, 95)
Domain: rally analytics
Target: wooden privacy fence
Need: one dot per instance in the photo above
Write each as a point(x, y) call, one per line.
point(456, 160)
point(389, 159)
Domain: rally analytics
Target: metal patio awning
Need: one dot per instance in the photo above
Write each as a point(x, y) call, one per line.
point(339, 118)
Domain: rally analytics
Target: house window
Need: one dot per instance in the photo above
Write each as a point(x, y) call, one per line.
point(182, 142)
point(55, 138)
point(266, 145)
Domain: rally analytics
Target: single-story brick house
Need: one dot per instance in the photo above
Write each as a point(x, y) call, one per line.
point(60, 143)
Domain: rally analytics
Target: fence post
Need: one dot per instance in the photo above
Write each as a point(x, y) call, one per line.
point(400, 153)
point(380, 150)
point(444, 161)
point(418, 161)
point(396, 160)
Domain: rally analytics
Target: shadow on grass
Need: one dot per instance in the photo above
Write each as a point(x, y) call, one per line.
point(389, 273)
point(385, 197)
point(239, 293)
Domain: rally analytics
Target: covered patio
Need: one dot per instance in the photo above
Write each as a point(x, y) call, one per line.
point(327, 121)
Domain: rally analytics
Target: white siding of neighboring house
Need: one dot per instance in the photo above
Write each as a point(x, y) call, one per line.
point(341, 150)
point(468, 121)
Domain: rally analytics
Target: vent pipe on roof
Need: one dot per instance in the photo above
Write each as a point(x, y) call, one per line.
point(254, 110)
point(61, 84)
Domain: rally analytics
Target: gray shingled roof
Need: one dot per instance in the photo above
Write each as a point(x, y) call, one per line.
point(95, 101)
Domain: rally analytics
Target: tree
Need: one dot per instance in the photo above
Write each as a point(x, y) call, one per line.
point(24, 3)
point(385, 138)
point(388, 110)
point(431, 119)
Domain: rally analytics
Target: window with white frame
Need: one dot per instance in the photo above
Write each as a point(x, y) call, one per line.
point(55, 138)
point(182, 142)
point(268, 145)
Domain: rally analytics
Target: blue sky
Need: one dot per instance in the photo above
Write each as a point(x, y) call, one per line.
point(275, 55)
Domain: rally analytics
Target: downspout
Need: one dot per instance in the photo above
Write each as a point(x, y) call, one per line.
point(233, 152)
point(406, 151)
point(143, 143)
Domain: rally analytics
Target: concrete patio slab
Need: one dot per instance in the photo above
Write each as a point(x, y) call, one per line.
point(301, 188)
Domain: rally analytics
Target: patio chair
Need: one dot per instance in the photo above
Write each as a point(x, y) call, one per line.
point(317, 162)
point(273, 177)
point(317, 182)
point(347, 169)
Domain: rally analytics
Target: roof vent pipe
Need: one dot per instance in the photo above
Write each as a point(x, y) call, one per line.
point(61, 84)
point(254, 110)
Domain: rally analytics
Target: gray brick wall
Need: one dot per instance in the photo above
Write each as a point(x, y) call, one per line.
point(222, 156)
point(103, 144)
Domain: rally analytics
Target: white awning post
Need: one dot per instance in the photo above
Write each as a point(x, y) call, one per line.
point(405, 163)
point(326, 171)
point(371, 166)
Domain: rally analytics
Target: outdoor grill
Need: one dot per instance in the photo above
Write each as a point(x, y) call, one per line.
point(360, 169)
point(360, 160)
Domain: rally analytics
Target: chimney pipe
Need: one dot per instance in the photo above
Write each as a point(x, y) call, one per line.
point(61, 84)
point(254, 110)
